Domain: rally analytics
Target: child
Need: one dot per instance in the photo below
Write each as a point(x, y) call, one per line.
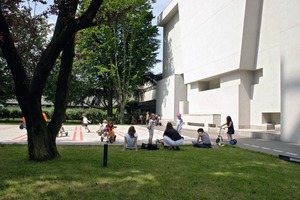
point(147, 118)
point(179, 123)
point(62, 131)
point(229, 125)
point(85, 122)
point(150, 127)
point(111, 137)
point(23, 125)
point(205, 139)
point(102, 128)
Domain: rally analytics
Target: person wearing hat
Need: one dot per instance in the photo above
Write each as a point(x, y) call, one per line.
point(179, 123)
point(203, 139)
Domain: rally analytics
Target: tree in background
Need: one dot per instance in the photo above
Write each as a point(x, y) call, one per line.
point(122, 51)
point(29, 86)
point(78, 87)
point(6, 83)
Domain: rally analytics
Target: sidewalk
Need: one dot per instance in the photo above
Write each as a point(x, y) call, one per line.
point(11, 134)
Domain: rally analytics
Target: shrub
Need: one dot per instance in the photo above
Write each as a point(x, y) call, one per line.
point(72, 114)
point(15, 113)
point(4, 113)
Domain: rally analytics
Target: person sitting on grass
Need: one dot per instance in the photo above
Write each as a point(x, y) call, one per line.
point(205, 139)
point(130, 139)
point(172, 139)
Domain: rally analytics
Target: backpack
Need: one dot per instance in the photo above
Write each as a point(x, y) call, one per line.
point(149, 146)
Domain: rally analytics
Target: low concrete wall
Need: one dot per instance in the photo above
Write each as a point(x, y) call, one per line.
point(202, 120)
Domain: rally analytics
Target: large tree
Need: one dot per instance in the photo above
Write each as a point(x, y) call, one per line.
point(123, 49)
point(29, 90)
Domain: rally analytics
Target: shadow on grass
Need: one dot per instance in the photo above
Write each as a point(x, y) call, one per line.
point(191, 173)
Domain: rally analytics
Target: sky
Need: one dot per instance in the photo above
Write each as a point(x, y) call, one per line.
point(158, 7)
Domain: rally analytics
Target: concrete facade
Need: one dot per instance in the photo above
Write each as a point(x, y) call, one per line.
point(232, 57)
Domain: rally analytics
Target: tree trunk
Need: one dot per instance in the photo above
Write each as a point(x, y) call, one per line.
point(122, 104)
point(41, 143)
point(110, 103)
point(40, 140)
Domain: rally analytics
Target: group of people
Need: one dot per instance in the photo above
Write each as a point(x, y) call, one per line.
point(203, 139)
point(154, 117)
point(106, 130)
point(172, 137)
point(152, 120)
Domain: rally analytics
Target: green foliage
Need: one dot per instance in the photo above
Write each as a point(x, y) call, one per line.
point(78, 90)
point(6, 82)
point(16, 113)
point(191, 173)
point(72, 114)
point(10, 112)
point(116, 57)
point(4, 113)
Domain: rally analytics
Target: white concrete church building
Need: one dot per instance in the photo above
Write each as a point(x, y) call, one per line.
point(232, 57)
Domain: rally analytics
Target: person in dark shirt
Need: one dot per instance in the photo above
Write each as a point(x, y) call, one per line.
point(230, 127)
point(172, 139)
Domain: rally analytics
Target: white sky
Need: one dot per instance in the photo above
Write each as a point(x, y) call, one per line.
point(158, 7)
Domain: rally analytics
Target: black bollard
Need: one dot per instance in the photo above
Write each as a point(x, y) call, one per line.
point(105, 155)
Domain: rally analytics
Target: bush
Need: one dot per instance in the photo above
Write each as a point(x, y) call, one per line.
point(16, 113)
point(93, 114)
point(4, 113)
point(72, 114)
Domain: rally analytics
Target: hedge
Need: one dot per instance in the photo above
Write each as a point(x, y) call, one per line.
point(94, 115)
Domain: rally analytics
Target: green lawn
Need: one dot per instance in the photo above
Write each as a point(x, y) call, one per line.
point(191, 173)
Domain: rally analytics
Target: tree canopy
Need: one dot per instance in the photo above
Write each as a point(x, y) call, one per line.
point(121, 50)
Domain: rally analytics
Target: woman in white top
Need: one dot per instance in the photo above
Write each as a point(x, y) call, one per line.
point(130, 139)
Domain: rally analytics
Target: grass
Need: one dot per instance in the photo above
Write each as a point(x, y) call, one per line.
point(191, 173)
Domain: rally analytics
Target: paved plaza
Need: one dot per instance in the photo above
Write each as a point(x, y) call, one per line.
point(77, 135)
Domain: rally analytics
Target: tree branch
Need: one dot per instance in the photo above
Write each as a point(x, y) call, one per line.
point(13, 59)
point(66, 27)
